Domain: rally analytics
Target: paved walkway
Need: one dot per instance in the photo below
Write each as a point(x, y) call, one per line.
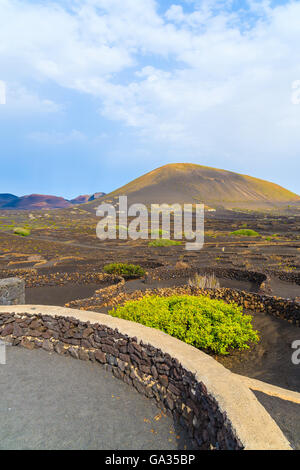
point(53, 402)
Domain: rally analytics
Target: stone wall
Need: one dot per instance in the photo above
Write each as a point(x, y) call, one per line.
point(281, 308)
point(111, 292)
point(153, 373)
point(12, 291)
point(229, 273)
point(276, 306)
point(286, 276)
point(33, 278)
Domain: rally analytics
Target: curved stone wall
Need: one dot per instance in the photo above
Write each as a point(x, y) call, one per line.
point(278, 307)
point(229, 273)
point(218, 410)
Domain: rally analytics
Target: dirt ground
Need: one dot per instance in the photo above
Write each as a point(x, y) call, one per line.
point(61, 239)
point(271, 359)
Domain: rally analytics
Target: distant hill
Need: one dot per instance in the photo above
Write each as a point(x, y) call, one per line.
point(96, 196)
point(177, 182)
point(40, 201)
point(37, 202)
point(7, 199)
point(80, 199)
point(191, 183)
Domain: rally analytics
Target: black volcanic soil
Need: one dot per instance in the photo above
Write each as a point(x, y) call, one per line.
point(284, 289)
point(138, 284)
point(58, 295)
point(269, 360)
point(62, 294)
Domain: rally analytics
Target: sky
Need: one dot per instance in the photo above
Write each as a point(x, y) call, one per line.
point(99, 92)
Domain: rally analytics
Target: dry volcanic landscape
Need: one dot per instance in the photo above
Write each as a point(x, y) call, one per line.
point(252, 247)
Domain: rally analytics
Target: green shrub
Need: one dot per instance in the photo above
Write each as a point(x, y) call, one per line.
point(129, 271)
point(24, 232)
point(197, 320)
point(273, 237)
point(164, 242)
point(159, 232)
point(245, 233)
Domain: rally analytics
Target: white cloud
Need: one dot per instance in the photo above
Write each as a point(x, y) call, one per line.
point(2, 92)
point(19, 99)
point(211, 81)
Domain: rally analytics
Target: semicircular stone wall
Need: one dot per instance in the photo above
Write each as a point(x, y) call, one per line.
point(217, 409)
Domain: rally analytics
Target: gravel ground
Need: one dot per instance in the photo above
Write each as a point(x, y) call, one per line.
point(53, 402)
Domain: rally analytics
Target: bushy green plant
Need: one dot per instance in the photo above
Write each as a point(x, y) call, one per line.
point(164, 242)
point(197, 320)
point(245, 233)
point(24, 232)
point(129, 271)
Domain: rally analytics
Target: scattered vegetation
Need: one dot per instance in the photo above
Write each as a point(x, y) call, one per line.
point(208, 281)
point(200, 321)
point(182, 265)
point(159, 232)
point(245, 233)
point(164, 242)
point(276, 236)
point(24, 232)
point(128, 271)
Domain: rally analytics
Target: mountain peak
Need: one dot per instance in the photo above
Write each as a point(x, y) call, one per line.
point(192, 183)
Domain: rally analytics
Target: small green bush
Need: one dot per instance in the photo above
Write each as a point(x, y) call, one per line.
point(129, 271)
point(197, 320)
point(245, 233)
point(273, 237)
point(164, 242)
point(23, 232)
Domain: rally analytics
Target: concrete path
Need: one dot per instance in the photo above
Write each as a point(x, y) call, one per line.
point(53, 402)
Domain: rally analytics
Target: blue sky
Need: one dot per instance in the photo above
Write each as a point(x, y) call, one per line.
point(99, 92)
